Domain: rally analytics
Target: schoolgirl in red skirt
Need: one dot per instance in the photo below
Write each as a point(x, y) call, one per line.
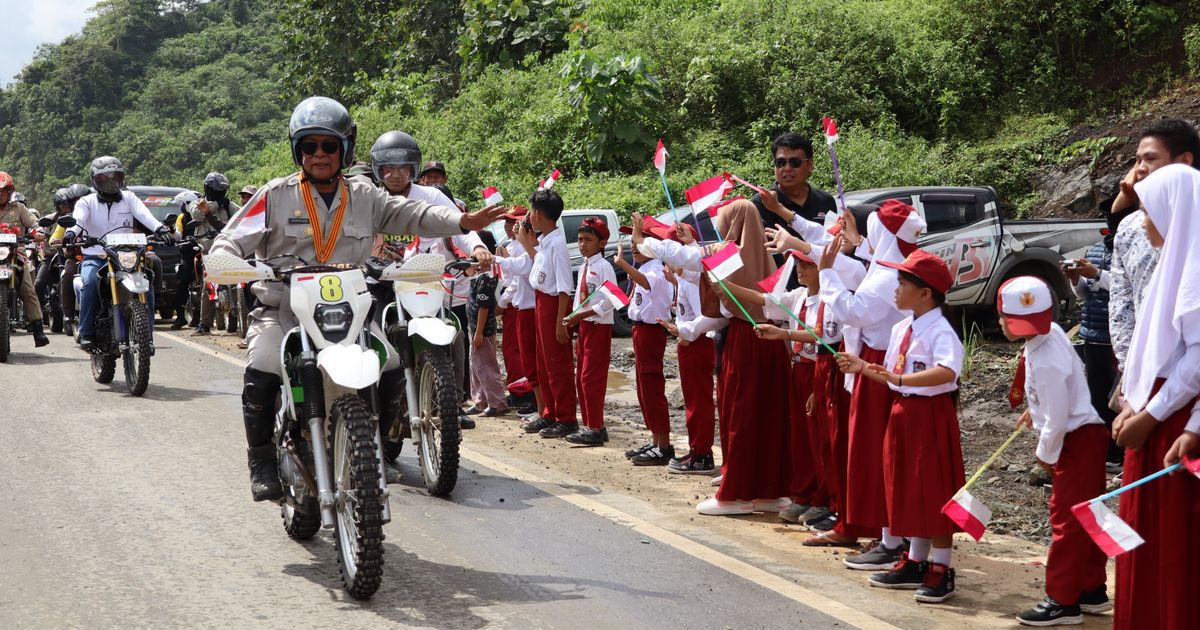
point(1159, 581)
point(922, 456)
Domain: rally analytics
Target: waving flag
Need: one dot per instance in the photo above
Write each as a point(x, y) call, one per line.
point(491, 196)
point(968, 512)
point(549, 183)
point(253, 219)
point(614, 294)
point(723, 263)
point(776, 283)
point(830, 127)
point(1193, 465)
point(708, 192)
point(660, 159)
point(716, 207)
point(1108, 531)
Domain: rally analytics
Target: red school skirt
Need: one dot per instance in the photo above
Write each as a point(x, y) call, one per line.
point(870, 406)
point(922, 465)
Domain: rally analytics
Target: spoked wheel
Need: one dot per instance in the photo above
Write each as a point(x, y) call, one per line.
point(300, 523)
point(137, 355)
point(359, 523)
point(5, 329)
point(437, 421)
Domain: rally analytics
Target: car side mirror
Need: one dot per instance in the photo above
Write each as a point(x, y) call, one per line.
point(66, 222)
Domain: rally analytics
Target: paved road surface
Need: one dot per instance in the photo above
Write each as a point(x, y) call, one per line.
point(128, 512)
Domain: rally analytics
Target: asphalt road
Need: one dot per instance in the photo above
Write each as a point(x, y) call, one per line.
point(136, 512)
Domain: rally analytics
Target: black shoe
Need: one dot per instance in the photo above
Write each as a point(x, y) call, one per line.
point(39, 334)
point(465, 422)
point(1095, 602)
point(1051, 613)
point(631, 453)
point(264, 473)
point(654, 456)
point(905, 574)
point(178, 323)
point(559, 430)
point(877, 558)
point(938, 585)
point(537, 424)
point(692, 465)
point(586, 436)
point(823, 524)
point(87, 344)
point(524, 410)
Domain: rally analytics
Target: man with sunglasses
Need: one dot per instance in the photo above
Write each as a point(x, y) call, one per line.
point(322, 217)
point(792, 195)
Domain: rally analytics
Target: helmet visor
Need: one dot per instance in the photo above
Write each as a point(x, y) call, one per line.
point(109, 183)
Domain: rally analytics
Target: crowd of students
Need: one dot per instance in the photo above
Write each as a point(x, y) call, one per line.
point(835, 402)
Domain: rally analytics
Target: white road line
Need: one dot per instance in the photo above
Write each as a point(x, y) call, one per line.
point(725, 562)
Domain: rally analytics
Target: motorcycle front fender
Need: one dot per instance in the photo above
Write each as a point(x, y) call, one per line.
point(433, 330)
point(134, 282)
point(352, 367)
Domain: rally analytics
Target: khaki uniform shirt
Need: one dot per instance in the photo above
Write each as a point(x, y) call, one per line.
point(286, 230)
point(15, 213)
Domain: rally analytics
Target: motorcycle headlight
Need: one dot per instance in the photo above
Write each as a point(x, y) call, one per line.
point(333, 318)
point(5, 251)
point(127, 260)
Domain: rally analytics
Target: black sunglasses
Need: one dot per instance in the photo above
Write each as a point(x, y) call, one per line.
point(793, 162)
point(329, 147)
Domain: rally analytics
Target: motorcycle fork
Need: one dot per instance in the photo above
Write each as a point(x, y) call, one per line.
point(314, 413)
point(409, 359)
point(374, 400)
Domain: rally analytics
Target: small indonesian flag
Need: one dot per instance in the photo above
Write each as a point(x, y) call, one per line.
point(829, 125)
point(716, 207)
point(660, 158)
point(614, 294)
point(776, 283)
point(708, 192)
point(549, 183)
point(1193, 465)
point(723, 263)
point(968, 512)
point(491, 196)
point(252, 219)
point(1108, 531)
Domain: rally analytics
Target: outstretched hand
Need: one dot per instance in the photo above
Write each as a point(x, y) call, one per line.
point(474, 221)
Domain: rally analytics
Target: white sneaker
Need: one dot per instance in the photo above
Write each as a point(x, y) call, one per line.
point(716, 481)
point(713, 507)
point(772, 505)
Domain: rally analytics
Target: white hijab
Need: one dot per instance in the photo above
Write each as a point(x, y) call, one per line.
point(1171, 197)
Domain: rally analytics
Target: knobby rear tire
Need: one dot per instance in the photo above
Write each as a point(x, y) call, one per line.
point(137, 356)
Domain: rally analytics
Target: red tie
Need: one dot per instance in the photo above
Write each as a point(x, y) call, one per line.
point(821, 320)
point(904, 343)
point(796, 346)
point(1016, 395)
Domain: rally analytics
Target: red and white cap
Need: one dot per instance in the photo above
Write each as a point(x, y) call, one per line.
point(1028, 305)
point(905, 222)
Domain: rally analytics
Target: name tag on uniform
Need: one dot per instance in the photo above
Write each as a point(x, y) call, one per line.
point(294, 221)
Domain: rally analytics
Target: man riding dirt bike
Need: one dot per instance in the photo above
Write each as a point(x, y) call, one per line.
point(65, 263)
point(212, 212)
point(322, 218)
point(14, 213)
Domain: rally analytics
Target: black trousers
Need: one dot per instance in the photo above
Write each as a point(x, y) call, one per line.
point(1101, 366)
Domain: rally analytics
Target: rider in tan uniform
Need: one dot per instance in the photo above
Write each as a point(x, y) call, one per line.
point(281, 218)
point(15, 213)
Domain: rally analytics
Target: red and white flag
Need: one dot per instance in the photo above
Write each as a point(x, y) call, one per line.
point(968, 512)
point(708, 192)
point(491, 196)
point(723, 263)
point(776, 283)
point(252, 219)
point(829, 125)
point(716, 207)
point(660, 159)
point(550, 181)
point(614, 294)
point(1193, 465)
point(1108, 531)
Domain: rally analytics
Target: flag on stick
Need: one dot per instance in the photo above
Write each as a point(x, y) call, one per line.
point(708, 192)
point(1113, 535)
point(829, 126)
point(614, 294)
point(660, 158)
point(1193, 465)
point(491, 196)
point(776, 283)
point(549, 182)
point(724, 262)
point(757, 189)
point(968, 512)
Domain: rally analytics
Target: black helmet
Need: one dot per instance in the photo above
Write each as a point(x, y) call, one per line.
point(215, 185)
point(108, 176)
point(76, 192)
point(395, 148)
point(318, 115)
point(60, 197)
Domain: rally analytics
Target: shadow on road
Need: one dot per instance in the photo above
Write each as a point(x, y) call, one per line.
point(179, 394)
point(420, 593)
point(32, 358)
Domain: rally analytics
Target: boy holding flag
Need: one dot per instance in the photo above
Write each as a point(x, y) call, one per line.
point(520, 331)
point(592, 313)
point(1072, 443)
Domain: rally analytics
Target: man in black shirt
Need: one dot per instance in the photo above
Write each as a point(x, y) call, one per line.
point(791, 193)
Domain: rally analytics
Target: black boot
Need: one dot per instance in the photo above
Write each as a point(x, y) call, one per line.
point(258, 413)
point(180, 320)
point(39, 334)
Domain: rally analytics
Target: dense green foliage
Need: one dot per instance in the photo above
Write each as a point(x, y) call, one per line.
point(503, 91)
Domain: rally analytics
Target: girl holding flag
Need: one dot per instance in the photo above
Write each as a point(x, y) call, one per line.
point(1157, 583)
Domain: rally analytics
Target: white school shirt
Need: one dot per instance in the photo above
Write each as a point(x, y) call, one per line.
point(551, 272)
point(874, 316)
point(1056, 391)
point(800, 303)
point(812, 232)
point(933, 343)
point(597, 271)
point(692, 323)
point(650, 305)
point(100, 217)
point(516, 267)
point(1181, 376)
